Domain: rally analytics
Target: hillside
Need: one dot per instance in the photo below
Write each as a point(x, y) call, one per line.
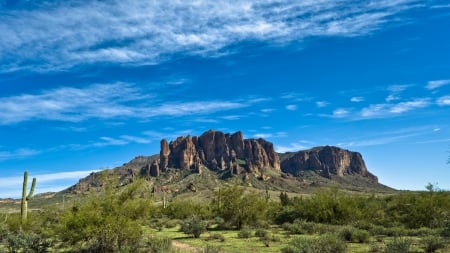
point(197, 163)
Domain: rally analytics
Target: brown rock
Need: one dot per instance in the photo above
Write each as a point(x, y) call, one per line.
point(164, 155)
point(154, 169)
point(327, 161)
point(218, 151)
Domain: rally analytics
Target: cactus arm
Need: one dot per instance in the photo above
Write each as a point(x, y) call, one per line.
point(33, 185)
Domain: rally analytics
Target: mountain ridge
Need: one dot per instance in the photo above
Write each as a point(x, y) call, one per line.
point(230, 155)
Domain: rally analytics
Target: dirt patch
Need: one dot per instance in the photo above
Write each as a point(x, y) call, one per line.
point(185, 246)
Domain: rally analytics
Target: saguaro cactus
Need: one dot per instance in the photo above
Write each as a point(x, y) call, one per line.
point(25, 197)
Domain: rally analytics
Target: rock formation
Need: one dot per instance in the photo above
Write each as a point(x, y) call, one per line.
point(218, 151)
point(327, 161)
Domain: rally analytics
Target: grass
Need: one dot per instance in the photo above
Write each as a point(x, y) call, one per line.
point(234, 244)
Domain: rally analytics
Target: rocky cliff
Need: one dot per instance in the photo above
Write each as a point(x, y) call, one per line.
point(218, 151)
point(327, 161)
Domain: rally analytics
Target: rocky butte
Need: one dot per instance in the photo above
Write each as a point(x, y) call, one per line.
point(234, 155)
point(327, 161)
point(218, 151)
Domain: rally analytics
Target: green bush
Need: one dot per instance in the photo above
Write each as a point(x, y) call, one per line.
point(361, 236)
point(299, 245)
point(300, 227)
point(194, 226)
point(216, 237)
point(107, 222)
point(327, 243)
point(262, 233)
point(159, 245)
point(351, 234)
point(27, 243)
point(375, 248)
point(245, 233)
point(398, 245)
point(432, 243)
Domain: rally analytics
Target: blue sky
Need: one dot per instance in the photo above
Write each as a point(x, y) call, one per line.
point(87, 85)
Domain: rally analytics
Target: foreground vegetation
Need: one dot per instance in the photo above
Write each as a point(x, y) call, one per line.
point(234, 219)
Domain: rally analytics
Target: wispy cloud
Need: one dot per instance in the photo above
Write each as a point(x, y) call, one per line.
point(322, 104)
point(389, 109)
point(437, 83)
point(382, 138)
point(442, 101)
point(291, 107)
point(45, 182)
point(18, 154)
point(64, 34)
point(340, 113)
point(103, 101)
point(293, 147)
point(395, 90)
point(357, 99)
point(270, 135)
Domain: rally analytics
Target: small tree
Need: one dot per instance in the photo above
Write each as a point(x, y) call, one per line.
point(194, 226)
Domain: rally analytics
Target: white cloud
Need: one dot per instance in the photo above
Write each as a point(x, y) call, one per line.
point(44, 182)
point(63, 34)
point(437, 83)
point(397, 88)
point(103, 101)
point(291, 107)
point(270, 135)
point(443, 101)
point(388, 110)
point(392, 97)
point(293, 147)
point(18, 154)
point(357, 99)
point(321, 104)
point(409, 105)
point(340, 113)
point(267, 110)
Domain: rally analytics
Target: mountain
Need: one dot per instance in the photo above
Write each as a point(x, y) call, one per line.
point(327, 161)
point(254, 162)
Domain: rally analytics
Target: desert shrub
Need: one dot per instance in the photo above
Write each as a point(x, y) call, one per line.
point(245, 233)
point(261, 233)
point(375, 248)
point(212, 249)
point(398, 245)
point(194, 226)
point(395, 231)
point(327, 243)
point(423, 231)
point(159, 245)
point(27, 243)
point(300, 227)
point(432, 243)
point(299, 245)
point(239, 208)
point(108, 222)
point(331, 243)
point(351, 234)
point(347, 233)
point(361, 236)
point(183, 209)
point(216, 237)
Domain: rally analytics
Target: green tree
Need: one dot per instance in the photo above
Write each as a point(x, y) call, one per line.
point(109, 222)
point(239, 208)
point(194, 226)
